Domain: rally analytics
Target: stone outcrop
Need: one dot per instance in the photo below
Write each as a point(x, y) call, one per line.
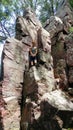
point(12, 82)
point(16, 62)
point(62, 44)
point(40, 102)
point(31, 95)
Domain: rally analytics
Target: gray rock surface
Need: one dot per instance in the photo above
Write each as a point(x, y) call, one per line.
point(31, 95)
point(62, 43)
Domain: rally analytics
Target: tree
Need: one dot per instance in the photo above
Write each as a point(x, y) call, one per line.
point(10, 9)
point(48, 9)
point(71, 3)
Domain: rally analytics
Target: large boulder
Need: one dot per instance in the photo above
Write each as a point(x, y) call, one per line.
point(65, 13)
point(54, 25)
point(14, 55)
point(16, 62)
point(44, 109)
point(60, 29)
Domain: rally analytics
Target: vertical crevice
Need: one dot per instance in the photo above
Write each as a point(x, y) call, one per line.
point(2, 106)
point(2, 71)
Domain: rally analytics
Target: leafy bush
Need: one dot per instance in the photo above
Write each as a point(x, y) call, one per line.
point(71, 3)
point(71, 29)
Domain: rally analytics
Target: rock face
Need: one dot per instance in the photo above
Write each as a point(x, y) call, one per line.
point(44, 107)
point(31, 95)
point(60, 27)
point(12, 83)
point(16, 64)
point(69, 57)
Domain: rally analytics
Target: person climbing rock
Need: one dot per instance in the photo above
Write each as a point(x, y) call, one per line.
point(33, 54)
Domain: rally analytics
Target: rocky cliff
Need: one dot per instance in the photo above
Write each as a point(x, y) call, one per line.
point(34, 97)
point(60, 27)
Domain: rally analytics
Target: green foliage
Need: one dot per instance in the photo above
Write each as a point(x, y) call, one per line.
point(71, 29)
point(48, 9)
point(10, 9)
point(70, 129)
point(71, 3)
